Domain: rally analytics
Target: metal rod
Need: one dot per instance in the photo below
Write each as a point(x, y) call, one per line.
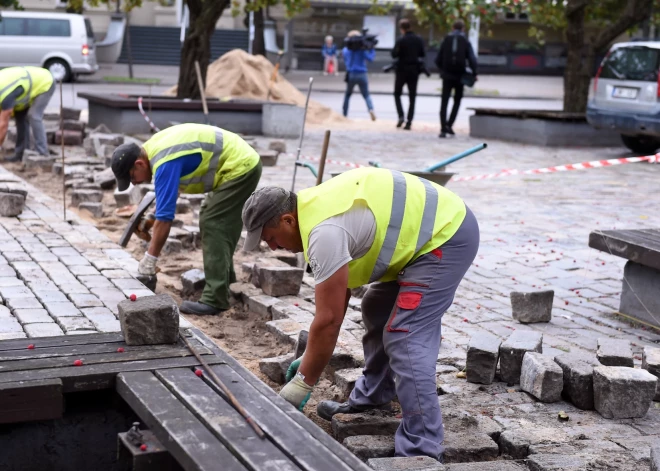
point(62, 147)
point(456, 157)
point(302, 133)
point(234, 402)
point(200, 82)
point(324, 155)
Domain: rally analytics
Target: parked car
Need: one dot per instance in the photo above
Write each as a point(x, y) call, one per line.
point(626, 96)
point(60, 42)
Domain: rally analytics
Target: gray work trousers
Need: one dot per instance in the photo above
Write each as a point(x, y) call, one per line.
point(33, 117)
point(403, 331)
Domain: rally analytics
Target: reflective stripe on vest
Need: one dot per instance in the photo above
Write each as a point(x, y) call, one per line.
point(208, 179)
point(26, 99)
point(396, 220)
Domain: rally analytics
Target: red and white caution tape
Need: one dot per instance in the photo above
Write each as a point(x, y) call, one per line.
point(146, 118)
point(331, 161)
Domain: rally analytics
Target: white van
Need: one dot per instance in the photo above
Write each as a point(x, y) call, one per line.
point(61, 42)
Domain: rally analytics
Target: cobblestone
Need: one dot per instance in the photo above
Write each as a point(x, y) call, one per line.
point(43, 330)
point(32, 316)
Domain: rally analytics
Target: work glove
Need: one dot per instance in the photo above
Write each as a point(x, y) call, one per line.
point(293, 369)
point(297, 392)
point(148, 265)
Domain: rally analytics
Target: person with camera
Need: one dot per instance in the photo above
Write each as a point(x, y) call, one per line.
point(454, 55)
point(358, 50)
point(409, 53)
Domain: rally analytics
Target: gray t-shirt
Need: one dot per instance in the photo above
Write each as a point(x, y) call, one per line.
point(340, 239)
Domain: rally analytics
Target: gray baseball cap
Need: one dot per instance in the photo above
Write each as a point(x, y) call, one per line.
point(261, 207)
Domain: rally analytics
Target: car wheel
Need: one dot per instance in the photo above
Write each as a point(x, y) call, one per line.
point(643, 145)
point(60, 70)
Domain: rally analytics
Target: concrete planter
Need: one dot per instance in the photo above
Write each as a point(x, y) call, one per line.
point(537, 127)
point(121, 114)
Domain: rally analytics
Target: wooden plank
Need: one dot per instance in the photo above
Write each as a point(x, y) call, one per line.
point(77, 350)
point(224, 421)
point(60, 341)
point(639, 246)
point(31, 400)
point(292, 439)
point(156, 351)
point(101, 376)
point(186, 438)
point(349, 460)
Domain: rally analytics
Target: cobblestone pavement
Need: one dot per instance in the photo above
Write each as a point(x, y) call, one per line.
point(534, 233)
point(57, 277)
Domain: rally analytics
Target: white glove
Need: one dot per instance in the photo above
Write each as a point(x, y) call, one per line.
point(148, 265)
point(297, 392)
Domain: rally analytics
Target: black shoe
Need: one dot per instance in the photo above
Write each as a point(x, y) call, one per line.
point(407, 126)
point(399, 123)
point(326, 409)
point(200, 309)
point(442, 134)
point(13, 159)
point(450, 131)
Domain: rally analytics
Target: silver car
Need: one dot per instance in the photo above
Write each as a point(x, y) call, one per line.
point(626, 95)
point(60, 42)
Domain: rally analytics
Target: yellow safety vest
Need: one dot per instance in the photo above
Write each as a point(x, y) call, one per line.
point(34, 81)
point(413, 216)
point(225, 156)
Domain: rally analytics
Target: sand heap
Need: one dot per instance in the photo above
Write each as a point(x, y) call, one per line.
point(238, 74)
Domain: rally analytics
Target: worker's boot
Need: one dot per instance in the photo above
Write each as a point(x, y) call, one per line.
point(326, 409)
point(200, 309)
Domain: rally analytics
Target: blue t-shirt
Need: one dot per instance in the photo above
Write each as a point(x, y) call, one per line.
point(356, 61)
point(166, 183)
point(329, 51)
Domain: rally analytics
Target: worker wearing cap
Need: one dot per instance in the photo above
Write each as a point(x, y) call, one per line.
point(25, 93)
point(195, 158)
point(413, 241)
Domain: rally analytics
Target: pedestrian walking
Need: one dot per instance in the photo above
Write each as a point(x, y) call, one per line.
point(412, 241)
point(195, 158)
point(408, 51)
point(25, 93)
point(356, 73)
point(329, 52)
point(454, 55)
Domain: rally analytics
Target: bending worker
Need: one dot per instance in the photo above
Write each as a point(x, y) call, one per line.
point(195, 158)
point(417, 240)
point(25, 93)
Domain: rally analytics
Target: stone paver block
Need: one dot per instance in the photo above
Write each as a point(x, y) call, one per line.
point(655, 458)
point(261, 305)
point(532, 307)
point(615, 352)
point(275, 368)
point(6, 281)
point(482, 356)
point(102, 318)
point(95, 281)
point(95, 209)
point(50, 296)
point(85, 196)
point(277, 144)
point(183, 206)
point(285, 330)
point(149, 320)
point(23, 303)
point(15, 292)
point(280, 281)
point(462, 448)
point(541, 377)
point(460, 421)
point(69, 324)
point(7, 271)
point(268, 157)
point(512, 351)
point(65, 309)
point(11, 204)
point(578, 380)
point(488, 466)
point(12, 335)
point(32, 316)
point(623, 393)
point(172, 246)
point(85, 300)
point(416, 463)
point(112, 274)
point(132, 195)
point(127, 283)
point(366, 447)
point(69, 137)
point(50, 329)
point(345, 380)
point(301, 344)
point(368, 423)
point(73, 260)
point(651, 363)
point(192, 280)
point(9, 325)
point(109, 296)
point(105, 179)
point(552, 462)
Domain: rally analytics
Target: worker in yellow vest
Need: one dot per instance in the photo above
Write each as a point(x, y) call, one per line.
point(25, 93)
point(195, 158)
point(412, 241)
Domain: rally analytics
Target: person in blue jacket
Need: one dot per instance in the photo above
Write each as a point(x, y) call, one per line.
point(329, 52)
point(356, 74)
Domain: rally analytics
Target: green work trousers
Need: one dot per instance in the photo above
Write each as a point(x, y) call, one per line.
point(220, 226)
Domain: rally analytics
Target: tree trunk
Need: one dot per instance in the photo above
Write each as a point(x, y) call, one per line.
point(576, 76)
point(197, 44)
point(259, 43)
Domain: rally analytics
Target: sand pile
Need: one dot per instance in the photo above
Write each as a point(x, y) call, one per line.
point(238, 74)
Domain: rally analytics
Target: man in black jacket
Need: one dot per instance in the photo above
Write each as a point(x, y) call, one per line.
point(455, 52)
point(408, 51)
